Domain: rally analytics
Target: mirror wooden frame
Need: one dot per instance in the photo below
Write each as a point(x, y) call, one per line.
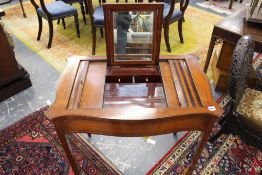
point(110, 8)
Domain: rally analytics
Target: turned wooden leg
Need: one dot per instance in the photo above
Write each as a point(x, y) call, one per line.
point(77, 26)
point(21, 4)
point(63, 22)
point(231, 4)
point(166, 36)
point(209, 53)
point(180, 30)
point(61, 135)
point(86, 6)
point(101, 32)
point(94, 40)
point(51, 33)
point(40, 22)
point(83, 11)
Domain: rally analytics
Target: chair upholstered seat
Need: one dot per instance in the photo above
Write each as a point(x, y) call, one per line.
point(250, 108)
point(57, 9)
point(99, 16)
point(177, 14)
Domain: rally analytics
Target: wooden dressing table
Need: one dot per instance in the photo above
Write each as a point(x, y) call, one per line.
point(109, 96)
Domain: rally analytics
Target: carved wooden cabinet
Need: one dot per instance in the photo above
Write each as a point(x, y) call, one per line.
point(13, 77)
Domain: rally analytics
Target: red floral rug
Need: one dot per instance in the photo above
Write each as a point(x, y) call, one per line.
point(31, 146)
point(226, 155)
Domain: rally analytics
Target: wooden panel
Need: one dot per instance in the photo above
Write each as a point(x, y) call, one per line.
point(183, 82)
point(146, 95)
point(225, 56)
point(93, 91)
point(132, 71)
point(78, 85)
point(178, 86)
point(190, 86)
point(65, 84)
point(202, 83)
point(169, 86)
point(220, 77)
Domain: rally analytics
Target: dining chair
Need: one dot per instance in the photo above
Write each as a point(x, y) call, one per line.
point(53, 11)
point(243, 114)
point(171, 15)
point(82, 3)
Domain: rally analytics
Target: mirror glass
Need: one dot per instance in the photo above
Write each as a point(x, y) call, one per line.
point(133, 35)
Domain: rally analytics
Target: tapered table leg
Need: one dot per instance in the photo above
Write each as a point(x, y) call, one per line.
point(209, 53)
point(200, 146)
point(61, 135)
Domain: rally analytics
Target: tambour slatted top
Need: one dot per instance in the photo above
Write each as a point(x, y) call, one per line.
point(174, 89)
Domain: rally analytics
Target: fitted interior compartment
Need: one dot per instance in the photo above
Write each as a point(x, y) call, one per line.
point(134, 87)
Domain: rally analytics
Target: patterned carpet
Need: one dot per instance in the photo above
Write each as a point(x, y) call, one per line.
point(226, 155)
point(31, 146)
point(196, 31)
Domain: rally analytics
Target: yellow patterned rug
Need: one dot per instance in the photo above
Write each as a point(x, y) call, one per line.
point(197, 30)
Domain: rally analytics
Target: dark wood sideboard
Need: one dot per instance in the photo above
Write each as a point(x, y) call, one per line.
point(13, 77)
point(228, 31)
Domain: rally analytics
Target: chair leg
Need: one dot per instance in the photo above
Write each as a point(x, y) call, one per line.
point(89, 135)
point(83, 12)
point(94, 40)
point(58, 21)
point(63, 22)
point(77, 26)
point(51, 33)
point(231, 4)
point(180, 30)
point(40, 22)
point(21, 4)
point(86, 7)
point(166, 36)
point(101, 32)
